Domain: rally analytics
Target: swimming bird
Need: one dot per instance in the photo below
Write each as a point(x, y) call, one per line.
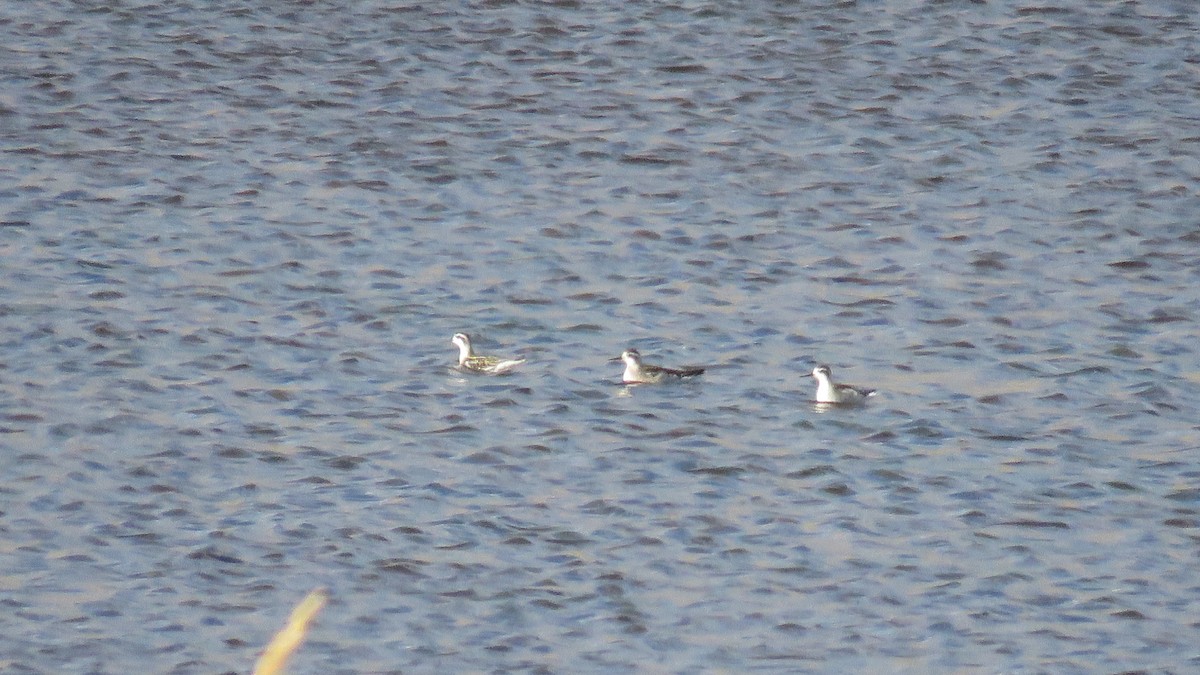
point(481, 364)
point(637, 372)
point(829, 391)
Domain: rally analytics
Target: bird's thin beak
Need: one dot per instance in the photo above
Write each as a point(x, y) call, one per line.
point(616, 358)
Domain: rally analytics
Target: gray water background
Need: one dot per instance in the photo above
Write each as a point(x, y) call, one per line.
point(237, 237)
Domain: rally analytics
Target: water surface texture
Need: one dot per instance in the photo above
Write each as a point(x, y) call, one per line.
point(236, 239)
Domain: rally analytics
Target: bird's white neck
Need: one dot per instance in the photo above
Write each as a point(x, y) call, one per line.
point(464, 352)
point(825, 390)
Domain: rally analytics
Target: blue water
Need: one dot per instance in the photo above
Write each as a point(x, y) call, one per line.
point(237, 239)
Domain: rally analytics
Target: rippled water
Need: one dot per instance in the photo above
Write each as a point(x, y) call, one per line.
point(237, 240)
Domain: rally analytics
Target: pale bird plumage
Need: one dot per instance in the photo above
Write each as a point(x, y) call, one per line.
point(829, 391)
point(468, 359)
point(637, 372)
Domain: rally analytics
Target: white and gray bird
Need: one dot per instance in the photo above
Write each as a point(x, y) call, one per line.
point(637, 372)
point(468, 359)
point(829, 391)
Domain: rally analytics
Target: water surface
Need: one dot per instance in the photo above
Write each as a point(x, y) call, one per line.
point(236, 242)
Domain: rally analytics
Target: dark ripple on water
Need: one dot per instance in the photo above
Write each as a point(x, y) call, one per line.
point(237, 241)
